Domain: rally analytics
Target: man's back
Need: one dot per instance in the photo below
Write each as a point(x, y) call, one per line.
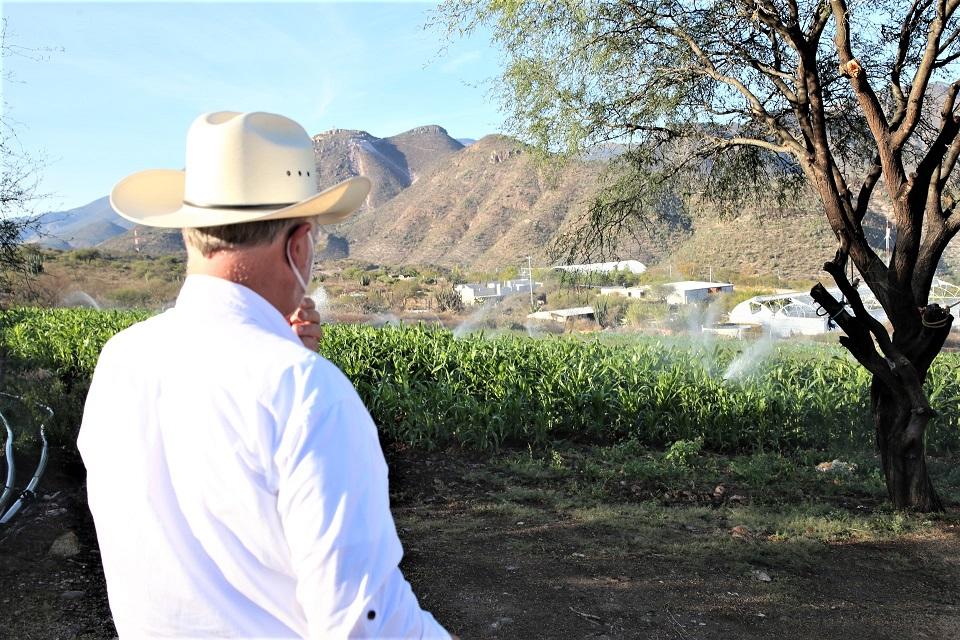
point(237, 482)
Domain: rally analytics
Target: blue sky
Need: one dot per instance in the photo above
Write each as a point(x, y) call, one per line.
point(125, 79)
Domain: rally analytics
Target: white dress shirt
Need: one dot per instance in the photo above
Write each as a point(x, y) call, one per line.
point(237, 483)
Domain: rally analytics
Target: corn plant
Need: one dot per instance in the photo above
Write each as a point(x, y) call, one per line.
point(427, 388)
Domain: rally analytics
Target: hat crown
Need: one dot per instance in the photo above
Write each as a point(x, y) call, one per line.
point(240, 167)
point(248, 160)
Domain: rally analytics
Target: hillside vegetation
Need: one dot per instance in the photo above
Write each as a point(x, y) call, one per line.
point(736, 248)
point(488, 205)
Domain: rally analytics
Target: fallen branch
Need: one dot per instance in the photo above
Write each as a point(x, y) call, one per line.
point(589, 617)
point(680, 631)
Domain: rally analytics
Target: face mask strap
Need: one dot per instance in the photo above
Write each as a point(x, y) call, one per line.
point(296, 272)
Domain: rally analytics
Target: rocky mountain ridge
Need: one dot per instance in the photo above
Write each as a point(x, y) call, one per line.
point(487, 205)
point(392, 163)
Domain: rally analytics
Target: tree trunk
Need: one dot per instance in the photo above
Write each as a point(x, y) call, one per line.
point(903, 459)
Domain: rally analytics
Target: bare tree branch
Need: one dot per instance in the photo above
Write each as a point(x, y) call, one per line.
point(866, 189)
point(907, 28)
point(921, 79)
point(876, 119)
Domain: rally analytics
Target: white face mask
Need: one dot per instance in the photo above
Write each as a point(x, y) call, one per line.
point(303, 280)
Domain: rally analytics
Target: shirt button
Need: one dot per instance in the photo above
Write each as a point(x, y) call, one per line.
point(371, 614)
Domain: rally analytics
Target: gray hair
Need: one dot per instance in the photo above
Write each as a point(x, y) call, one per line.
point(209, 240)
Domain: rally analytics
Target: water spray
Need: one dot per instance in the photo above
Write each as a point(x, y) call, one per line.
point(80, 299)
point(474, 320)
point(698, 319)
point(751, 358)
point(384, 320)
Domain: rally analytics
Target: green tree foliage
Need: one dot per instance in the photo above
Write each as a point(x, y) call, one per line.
point(750, 101)
point(85, 255)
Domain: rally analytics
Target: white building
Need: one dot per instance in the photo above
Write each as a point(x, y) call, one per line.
point(479, 292)
point(783, 315)
point(795, 312)
point(948, 295)
point(625, 266)
point(692, 291)
point(565, 315)
point(626, 292)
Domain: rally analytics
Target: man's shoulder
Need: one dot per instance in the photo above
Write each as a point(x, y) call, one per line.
point(137, 336)
point(322, 374)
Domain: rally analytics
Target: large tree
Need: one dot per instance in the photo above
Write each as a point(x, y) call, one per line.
point(744, 95)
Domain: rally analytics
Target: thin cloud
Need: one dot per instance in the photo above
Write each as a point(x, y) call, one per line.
point(460, 61)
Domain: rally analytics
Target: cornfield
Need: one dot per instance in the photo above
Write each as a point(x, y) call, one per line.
point(425, 387)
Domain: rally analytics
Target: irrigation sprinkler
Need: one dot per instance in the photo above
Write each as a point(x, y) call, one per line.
point(29, 492)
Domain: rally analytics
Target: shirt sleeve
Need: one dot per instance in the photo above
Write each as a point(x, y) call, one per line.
point(333, 502)
point(399, 615)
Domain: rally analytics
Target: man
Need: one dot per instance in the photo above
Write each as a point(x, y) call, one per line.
point(235, 477)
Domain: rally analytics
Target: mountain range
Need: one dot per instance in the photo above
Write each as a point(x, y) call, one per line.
point(485, 205)
point(81, 227)
point(434, 200)
point(392, 164)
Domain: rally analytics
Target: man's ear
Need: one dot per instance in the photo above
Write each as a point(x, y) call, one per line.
point(301, 230)
point(299, 239)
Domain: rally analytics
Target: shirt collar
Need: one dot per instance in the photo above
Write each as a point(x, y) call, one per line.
point(231, 302)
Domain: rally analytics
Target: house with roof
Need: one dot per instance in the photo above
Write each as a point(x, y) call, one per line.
point(694, 291)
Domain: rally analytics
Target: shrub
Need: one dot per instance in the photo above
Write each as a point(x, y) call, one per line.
point(130, 297)
point(448, 299)
point(683, 452)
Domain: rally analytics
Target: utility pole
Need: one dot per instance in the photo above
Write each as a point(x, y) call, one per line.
point(530, 280)
point(888, 242)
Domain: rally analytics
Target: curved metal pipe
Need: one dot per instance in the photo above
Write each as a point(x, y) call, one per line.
point(27, 493)
point(32, 485)
point(11, 471)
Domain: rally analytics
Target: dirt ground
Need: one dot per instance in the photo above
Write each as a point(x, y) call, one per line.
point(495, 556)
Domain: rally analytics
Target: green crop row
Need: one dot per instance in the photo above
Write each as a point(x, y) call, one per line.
point(425, 387)
point(67, 341)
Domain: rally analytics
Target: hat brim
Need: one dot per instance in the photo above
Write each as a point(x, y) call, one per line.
point(154, 198)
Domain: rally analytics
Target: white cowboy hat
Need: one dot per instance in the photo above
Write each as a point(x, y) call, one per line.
point(240, 167)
